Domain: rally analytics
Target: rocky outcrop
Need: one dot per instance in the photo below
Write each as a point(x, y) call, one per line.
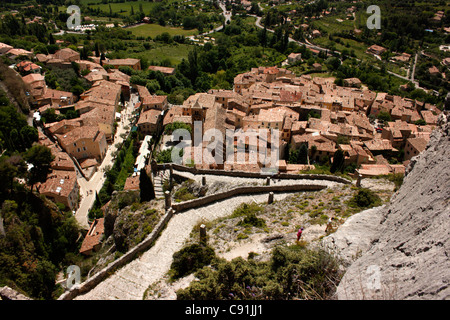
point(6, 293)
point(408, 257)
point(355, 236)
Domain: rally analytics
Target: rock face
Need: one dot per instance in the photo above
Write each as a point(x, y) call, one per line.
point(6, 293)
point(355, 236)
point(408, 257)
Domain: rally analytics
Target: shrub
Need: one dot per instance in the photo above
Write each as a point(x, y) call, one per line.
point(242, 236)
point(183, 194)
point(190, 259)
point(245, 209)
point(251, 220)
point(293, 272)
point(397, 179)
point(365, 198)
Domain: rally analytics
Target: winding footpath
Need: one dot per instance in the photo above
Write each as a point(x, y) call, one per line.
point(131, 281)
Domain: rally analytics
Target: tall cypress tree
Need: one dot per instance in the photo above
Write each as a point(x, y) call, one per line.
point(147, 191)
point(303, 155)
point(338, 161)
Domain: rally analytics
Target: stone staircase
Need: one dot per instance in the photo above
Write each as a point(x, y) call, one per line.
point(158, 181)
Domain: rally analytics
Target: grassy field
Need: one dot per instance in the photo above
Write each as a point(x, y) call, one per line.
point(331, 25)
point(174, 52)
point(358, 47)
point(123, 8)
point(152, 30)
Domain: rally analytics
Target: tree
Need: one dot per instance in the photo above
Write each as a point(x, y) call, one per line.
point(40, 157)
point(147, 191)
point(338, 161)
point(97, 49)
point(10, 168)
point(193, 65)
point(313, 151)
point(293, 156)
point(263, 37)
point(303, 155)
point(384, 116)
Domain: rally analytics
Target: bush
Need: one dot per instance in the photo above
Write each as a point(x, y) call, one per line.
point(293, 272)
point(246, 209)
point(397, 178)
point(251, 220)
point(190, 259)
point(183, 194)
point(365, 198)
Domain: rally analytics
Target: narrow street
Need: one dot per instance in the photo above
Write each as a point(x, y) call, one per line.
point(226, 14)
point(88, 188)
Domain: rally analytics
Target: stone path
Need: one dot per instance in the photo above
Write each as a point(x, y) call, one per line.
point(131, 281)
point(211, 178)
point(158, 182)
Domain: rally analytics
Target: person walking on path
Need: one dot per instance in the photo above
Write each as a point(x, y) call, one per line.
point(299, 233)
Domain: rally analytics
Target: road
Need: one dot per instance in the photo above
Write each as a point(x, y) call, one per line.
point(307, 44)
point(88, 188)
point(226, 14)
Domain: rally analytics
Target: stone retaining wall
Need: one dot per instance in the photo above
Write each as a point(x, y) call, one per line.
point(244, 174)
point(123, 260)
point(178, 207)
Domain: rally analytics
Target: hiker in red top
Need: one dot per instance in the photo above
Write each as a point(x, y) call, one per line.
point(299, 233)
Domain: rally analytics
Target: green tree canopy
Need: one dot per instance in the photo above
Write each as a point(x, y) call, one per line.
point(40, 157)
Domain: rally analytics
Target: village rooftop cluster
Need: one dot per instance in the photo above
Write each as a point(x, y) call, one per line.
point(315, 112)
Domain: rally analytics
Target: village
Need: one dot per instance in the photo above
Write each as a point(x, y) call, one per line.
point(287, 147)
point(315, 112)
point(309, 111)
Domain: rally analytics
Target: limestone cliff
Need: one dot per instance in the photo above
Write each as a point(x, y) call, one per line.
point(407, 256)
